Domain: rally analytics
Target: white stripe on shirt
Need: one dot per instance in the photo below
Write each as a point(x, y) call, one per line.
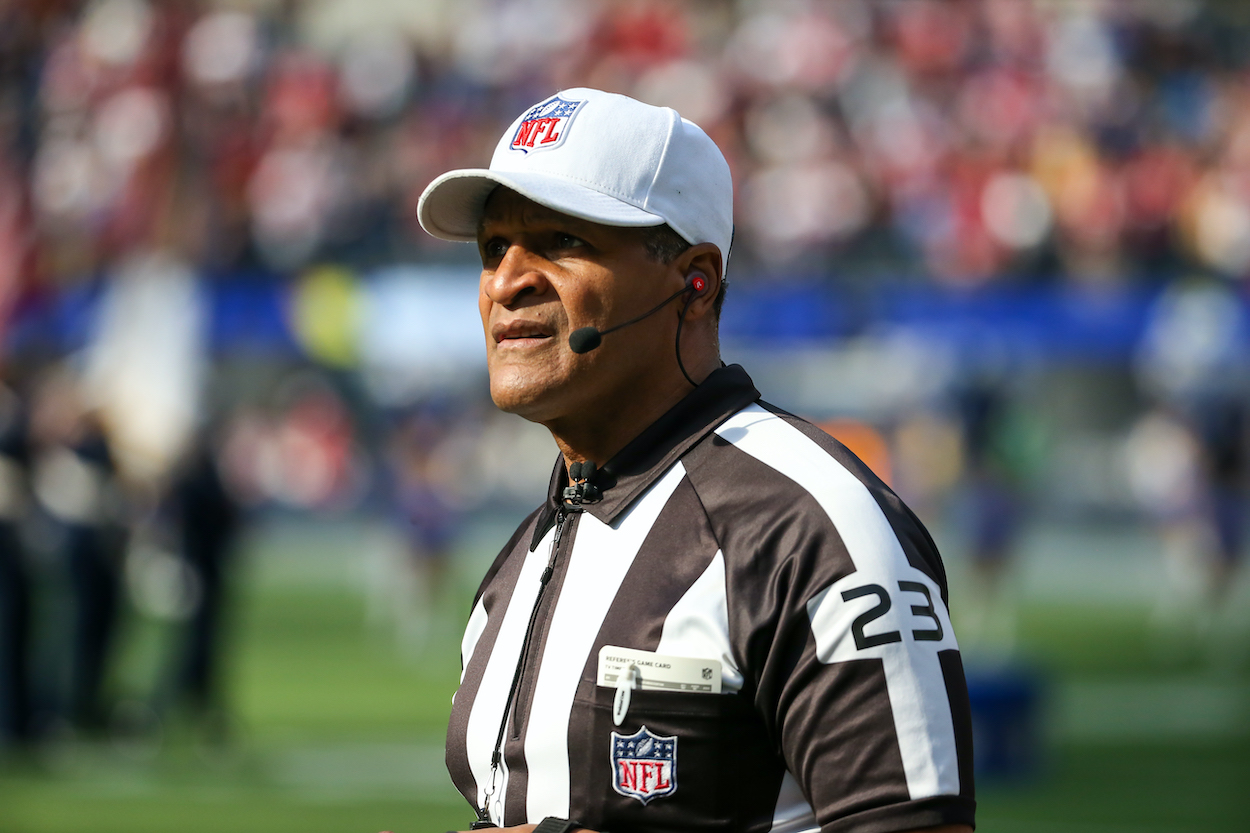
point(922, 715)
point(492, 692)
point(698, 625)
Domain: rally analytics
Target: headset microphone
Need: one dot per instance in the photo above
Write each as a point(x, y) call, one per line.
point(585, 339)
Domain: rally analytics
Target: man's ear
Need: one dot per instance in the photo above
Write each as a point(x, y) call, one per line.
point(703, 259)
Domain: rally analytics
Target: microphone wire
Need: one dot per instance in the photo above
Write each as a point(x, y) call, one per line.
point(585, 339)
point(651, 311)
point(677, 342)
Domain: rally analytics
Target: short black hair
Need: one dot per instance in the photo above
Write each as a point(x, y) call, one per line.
point(665, 245)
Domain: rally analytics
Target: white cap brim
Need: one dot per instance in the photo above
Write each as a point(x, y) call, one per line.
point(451, 206)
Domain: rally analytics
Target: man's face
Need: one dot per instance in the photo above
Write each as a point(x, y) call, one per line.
point(546, 274)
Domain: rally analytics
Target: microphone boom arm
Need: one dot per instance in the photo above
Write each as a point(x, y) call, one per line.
point(585, 339)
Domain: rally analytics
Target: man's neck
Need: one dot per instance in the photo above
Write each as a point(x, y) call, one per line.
point(598, 437)
point(600, 434)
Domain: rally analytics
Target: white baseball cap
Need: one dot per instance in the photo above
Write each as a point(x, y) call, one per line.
point(602, 157)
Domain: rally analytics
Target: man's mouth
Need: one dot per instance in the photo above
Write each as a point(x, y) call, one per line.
point(520, 334)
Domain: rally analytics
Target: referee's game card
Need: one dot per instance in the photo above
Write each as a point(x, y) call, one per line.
point(658, 671)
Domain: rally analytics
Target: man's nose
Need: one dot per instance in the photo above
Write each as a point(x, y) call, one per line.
point(518, 274)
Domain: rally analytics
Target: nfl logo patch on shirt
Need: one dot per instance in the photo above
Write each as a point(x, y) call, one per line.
point(644, 765)
point(545, 126)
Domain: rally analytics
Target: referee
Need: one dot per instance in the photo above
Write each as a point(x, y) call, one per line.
point(720, 619)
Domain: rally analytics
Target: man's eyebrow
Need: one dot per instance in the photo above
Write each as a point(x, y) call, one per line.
point(534, 215)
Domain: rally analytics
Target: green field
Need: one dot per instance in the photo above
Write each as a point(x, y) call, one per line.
point(333, 729)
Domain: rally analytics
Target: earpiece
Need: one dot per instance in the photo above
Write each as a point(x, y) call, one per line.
point(585, 339)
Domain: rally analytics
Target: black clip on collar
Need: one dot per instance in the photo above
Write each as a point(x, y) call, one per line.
point(582, 491)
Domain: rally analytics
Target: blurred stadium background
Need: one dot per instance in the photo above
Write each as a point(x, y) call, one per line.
point(249, 472)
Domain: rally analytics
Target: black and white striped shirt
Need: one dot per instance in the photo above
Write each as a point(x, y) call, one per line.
point(727, 531)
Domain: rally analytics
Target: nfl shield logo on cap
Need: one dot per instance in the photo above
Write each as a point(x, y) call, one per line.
point(644, 765)
point(545, 125)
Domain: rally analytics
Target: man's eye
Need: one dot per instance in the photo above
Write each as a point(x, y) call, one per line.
point(568, 241)
point(495, 248)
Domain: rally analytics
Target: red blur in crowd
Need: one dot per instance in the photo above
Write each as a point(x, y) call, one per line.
point(980, 141)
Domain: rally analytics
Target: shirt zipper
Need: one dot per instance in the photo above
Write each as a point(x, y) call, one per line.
point(512, 704)
point(523, 691)
point(574, 496)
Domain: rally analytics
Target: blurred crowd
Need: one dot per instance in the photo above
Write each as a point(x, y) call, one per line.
point(959, 142)
point(152, 150)
point(78, 537)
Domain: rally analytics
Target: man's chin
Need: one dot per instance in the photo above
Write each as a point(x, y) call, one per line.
point(528, 401)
